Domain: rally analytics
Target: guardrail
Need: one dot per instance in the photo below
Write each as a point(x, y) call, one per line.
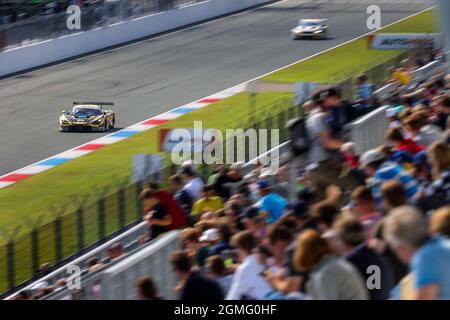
point(117, 281)
point(128, 239)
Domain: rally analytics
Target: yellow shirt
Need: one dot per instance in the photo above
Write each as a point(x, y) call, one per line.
point(204, 204)
point(402, 77)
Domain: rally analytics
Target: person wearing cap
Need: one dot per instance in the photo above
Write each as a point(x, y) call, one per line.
point(379, 170)
point(393, 118)
point(209, 202)
point(272, 206)
point(194, 185)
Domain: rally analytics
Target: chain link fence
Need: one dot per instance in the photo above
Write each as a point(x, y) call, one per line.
point(93, 14)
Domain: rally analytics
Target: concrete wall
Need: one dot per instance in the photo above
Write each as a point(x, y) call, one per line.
point(54, 50)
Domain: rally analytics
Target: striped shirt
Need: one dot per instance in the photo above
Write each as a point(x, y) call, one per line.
point(393, 171)
point(441, 186)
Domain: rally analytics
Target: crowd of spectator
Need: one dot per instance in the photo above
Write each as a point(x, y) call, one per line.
point(371, 226)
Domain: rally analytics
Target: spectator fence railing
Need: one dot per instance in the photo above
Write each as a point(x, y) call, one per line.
point(116, 281)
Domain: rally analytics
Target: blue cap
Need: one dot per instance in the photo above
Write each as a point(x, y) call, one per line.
point(263, 183)
point(421, 158)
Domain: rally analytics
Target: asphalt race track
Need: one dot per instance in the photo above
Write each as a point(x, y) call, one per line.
point(150, 77)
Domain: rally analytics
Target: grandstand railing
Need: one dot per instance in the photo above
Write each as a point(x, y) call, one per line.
point(96, 218)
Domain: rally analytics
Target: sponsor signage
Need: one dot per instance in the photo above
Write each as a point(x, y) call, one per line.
point(403, 41)
point(195, 140)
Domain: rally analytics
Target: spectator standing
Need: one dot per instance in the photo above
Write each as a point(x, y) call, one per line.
point(181, 196)
point(428, 257)
point(171, 205)
point(324, 146)
point(194, 185)
point(364, 97)
point(156, 215)
point(194, 287)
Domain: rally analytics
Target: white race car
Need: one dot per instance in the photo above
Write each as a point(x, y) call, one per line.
point(311, 28)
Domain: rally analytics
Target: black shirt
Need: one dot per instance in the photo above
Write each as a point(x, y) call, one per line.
point(362, 257)
point(183, 198)
point(159, 212)
point(200, 288)
point(225, 184)
point(441, 120)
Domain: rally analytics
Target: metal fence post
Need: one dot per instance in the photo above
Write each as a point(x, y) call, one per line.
point(101, 218)
point(121, 202)
point(58, 239)
point(35, 250)
point(80, 227)
point(139, 205)
point(10, 264)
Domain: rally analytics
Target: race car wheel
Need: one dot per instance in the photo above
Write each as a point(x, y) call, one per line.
point(105, 126)
point(113, 122)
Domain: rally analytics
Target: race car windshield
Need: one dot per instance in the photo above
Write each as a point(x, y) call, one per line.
point(87, 112)
point(309, 24)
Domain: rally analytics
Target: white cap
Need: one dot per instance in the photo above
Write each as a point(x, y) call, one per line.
point(209, 235)
point(371, 156)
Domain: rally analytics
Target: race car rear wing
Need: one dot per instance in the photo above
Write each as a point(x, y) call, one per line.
point(93, 102)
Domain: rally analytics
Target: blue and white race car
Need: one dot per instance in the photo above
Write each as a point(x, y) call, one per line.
point(310, 28)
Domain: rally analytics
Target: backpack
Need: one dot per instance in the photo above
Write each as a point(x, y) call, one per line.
point(299, 136)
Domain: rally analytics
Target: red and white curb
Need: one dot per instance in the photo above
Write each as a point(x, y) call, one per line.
point(63, 157)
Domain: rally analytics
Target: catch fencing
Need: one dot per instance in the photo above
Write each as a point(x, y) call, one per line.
point(94, 15)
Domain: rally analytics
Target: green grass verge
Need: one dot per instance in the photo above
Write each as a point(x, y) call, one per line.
point(352, 58)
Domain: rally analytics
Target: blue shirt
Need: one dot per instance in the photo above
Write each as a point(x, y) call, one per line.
point(274, 204)
point(393, 171)
point(431, 265)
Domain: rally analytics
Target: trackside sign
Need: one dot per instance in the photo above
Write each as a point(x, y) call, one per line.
point(403, 41)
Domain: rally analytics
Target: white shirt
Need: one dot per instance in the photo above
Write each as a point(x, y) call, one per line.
point(195, 188)
point(248, 281)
